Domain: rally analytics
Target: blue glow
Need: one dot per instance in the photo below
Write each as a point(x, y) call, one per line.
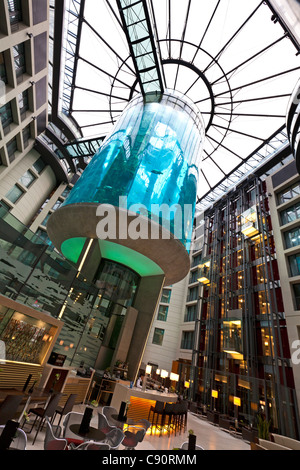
point(152, 157)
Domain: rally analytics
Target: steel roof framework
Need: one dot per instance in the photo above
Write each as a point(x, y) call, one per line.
point(227, 97)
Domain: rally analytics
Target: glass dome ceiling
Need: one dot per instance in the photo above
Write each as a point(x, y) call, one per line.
point(233, 59)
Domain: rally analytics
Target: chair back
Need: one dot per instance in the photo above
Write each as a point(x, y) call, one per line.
point(108, 411)
point(140, 435)
point(52, 442)
point(19, 442)
point(144, 423)
point(97, 446)
point(51, 407)
point(159, 406)
point(69, 403)
point(71, 418)
point(169, 407)
point(103, 424)
point(114, 438)
point(9, 407)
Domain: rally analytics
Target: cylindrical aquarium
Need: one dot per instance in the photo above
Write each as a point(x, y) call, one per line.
point(148, 166)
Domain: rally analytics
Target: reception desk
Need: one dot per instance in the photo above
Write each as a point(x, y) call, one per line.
point(140, 401)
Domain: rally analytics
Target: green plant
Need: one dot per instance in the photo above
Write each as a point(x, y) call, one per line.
point(191, 431)
point(263, 427)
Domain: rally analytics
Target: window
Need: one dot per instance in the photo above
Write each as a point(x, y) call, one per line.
point(26, 135)
point(158, 336)
point(6, 116)
point(57, 204)
point(3, 76)
point(19, 59)
point(39, 165)
point(27, 179)
point(12, 147)
point(66, 192)
point(292, 237)
point(14, 194)
point(187, 340)
point(4, 208)
point(192, 294)
point(191, 313)
point(294, 263)
point(15, 12)
point(165, 296)
point(290, 214)
point(42, 237)
point(162, 313)
point(23, 104)
point(44, 223)
point(289, 193)
point(296, 291)
point(193, 277)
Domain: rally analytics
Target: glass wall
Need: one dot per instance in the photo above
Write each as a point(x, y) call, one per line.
point(34, 274)
point(154, 156)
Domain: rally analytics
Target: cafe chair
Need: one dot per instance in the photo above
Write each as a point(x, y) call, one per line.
point(168, 417)
point(19, 442)
point(41, 413)
point(9, 407)
point(52, 442)
point(103, 424)
point(92, 445)
point(68, 406)
point(114, 438)
point(72, 418)
point(108, 411)
point(185, 446)
point(157, 411)
point(132, 439)
point(141, 423)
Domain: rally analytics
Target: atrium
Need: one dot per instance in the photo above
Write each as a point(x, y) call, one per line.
point(149, 196)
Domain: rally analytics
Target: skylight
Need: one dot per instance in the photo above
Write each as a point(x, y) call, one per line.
point(229, 57)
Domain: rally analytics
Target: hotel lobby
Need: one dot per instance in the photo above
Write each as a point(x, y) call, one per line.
point(149, 225)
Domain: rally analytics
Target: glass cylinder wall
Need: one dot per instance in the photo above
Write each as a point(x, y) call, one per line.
point(152, 160)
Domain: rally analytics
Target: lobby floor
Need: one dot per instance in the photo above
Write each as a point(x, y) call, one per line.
point(209, 437)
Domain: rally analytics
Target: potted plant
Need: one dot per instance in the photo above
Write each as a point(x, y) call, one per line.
point(263, 427)
point(192, 440)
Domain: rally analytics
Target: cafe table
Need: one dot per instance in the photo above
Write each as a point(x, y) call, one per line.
point(93, 434)
point(38, 396)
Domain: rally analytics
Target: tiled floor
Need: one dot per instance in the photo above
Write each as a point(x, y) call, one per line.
point(209, 437)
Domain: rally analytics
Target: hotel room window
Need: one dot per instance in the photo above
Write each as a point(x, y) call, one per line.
point(158, 336)
point(165, 296)
point(19, 59)
point(14, 194)
point(6, 117)
point(27, 179)
point(187, 340)
point(3, 76)
point(162, 313)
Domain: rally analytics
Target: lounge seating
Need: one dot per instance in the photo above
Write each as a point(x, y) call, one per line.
point(213, 417)
point(286, 441)
point(249, 435)
point(225, 423)
point(268, 445)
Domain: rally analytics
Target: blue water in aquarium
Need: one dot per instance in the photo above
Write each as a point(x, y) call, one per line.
point(152, 157)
